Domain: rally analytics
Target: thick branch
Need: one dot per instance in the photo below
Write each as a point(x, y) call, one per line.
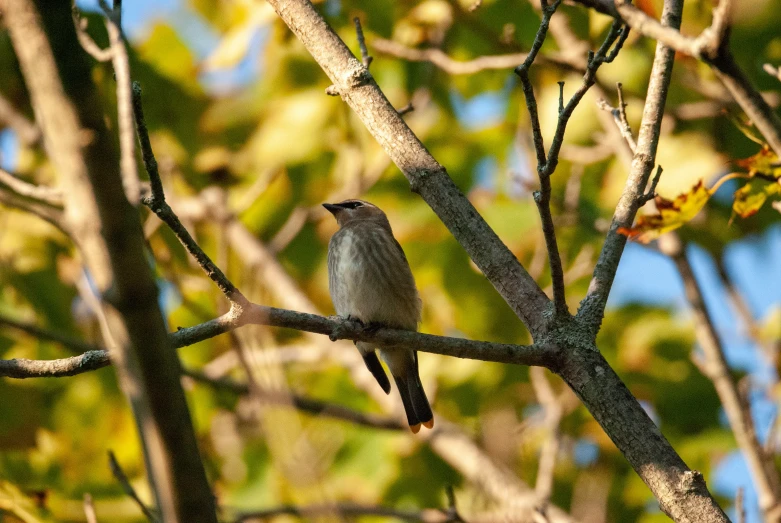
point(106, 228)
point(338, 329)
point(426, 176)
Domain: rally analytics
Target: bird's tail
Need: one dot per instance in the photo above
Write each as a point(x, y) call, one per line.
point(415, 401)
point(373, 364)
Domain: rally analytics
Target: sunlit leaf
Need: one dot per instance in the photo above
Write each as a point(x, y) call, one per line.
point(672, 214)
point(750, 198)
point(765, 163)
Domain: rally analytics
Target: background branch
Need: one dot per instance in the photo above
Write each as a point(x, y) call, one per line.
point(711, 46)
point(106, 229)
point(715, 367)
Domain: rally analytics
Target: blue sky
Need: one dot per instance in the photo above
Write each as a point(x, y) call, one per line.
point(746, 260)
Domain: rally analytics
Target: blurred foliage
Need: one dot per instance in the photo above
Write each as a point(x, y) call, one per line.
point(275, 146)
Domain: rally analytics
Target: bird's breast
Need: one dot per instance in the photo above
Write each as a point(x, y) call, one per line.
point(370, 279)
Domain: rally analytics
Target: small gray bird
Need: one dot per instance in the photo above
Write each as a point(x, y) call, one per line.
point(370, 280)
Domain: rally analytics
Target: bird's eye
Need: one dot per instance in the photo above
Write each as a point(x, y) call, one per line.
point(352, 205)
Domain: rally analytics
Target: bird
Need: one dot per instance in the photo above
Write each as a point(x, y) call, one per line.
point(370, 280)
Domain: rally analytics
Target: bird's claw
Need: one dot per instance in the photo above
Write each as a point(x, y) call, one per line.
point(343, 325)
point(372, 327)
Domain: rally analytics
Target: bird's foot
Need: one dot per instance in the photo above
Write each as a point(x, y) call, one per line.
point(344, 325)
point(372, 327)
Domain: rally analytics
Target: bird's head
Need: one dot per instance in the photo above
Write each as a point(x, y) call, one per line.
point(353, 210)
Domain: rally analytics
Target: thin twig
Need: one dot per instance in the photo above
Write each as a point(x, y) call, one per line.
point(155, 200)
point(39, 194)
point(406, 109)
point(121, 477)
point(619, 115)
point(523, 72)
point(69, 342)
point(26, 131)
point(127, 142)
point(542, 197)
point(302, 403)
point(720, 59)
point(365, 58)
point(86, 41)
point(440, 59)
point(651, 193)
point(773, 71)
point(348, 510)
point(89, 509)
point(740, 509)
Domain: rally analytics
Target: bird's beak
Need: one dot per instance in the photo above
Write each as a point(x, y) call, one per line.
point(333, 209)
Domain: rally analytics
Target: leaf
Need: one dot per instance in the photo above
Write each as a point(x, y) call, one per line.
point(765, 164)
point(764, 169)
point(750, 198)
point(672, 214)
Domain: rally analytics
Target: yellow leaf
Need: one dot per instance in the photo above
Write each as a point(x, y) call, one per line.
point(672, 214)
point(765, 163)
point(750, 197)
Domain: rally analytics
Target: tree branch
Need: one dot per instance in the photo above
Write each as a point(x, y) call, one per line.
point(546, 163)
point(348, 510)
point(592, 308)
point(157, 204)
point(715, 367)
point(43, 211)
point(105, 227)
point(711, 46)
point(302, 403)
point(440, 59)
point(120, 476)
point(40, 195)
point(70, 343)
point(27, 132)
point(426, 176)
point(121, 64)
point(24, 368)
